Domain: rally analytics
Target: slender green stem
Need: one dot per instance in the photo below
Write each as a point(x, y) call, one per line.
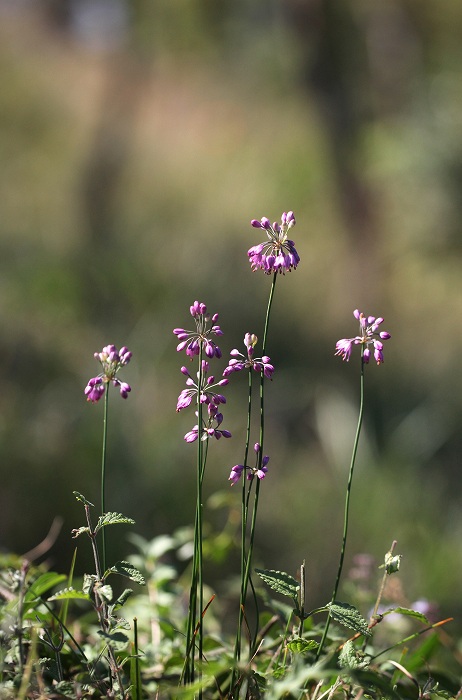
point(246, 553)
point(103, 475)
point(347, 506)
point(244, 512)
point(196, 598)
point(200, 480)
point(248, 558)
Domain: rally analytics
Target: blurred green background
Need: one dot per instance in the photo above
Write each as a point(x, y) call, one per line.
point(137, 140)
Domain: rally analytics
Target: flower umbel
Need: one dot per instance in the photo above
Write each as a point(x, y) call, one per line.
point(111, 361)
point(206, 392)
point(369, 335)
point(208, 429)
point(259, 364)
point(278, 253)
point(259, 472)
point(192, 340)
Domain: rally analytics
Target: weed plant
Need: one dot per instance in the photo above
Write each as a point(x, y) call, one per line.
point(163, 637)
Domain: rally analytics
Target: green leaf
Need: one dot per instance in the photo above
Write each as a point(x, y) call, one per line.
point(43, 583)
point(350, 657)
point(89, 581)
point(105, 592)
point(372, 680)
point(410, 613)
point(118, 637)
point(112, 519)
point(280, 581)
point(121, 600)
point(392, 563)
point(300, 646)
point(69, 594)
point(82, 499)
point(349, 617)
point(124, 568)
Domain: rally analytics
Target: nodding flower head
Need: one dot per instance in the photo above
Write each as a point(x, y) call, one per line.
point(239, 361)
point(210, 428)
point(208, 391)
point(369, 338)
point(111, 361)
point(206, 325)
point(260, 470)
point(278, 253)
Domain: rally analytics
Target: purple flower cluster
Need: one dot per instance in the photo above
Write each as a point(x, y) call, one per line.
point(191, 341)
point(111, 361)
point(259, 470)
point(369, 335)
point(209, 431)
point(204, 389)
point(278, 253)
point(259, 364)
point(206, 392)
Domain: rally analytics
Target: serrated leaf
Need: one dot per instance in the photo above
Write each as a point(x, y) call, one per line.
point(350, 657)
point(300, 646)
point(105, 592)
point(82, 499)
point(280, 581)
point(121, 600)
point(112, 519)
point(89, 581)
point(349, 617)
point(392, 563)
point(124, 568)
point(69, 594)
point(409, 613)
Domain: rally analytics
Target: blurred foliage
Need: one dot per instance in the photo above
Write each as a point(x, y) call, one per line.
point(136, 144)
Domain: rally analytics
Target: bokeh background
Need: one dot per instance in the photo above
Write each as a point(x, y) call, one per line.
point(137, 140)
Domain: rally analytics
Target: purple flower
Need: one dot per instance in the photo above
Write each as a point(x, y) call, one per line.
point(191, 341)
point(206, 391)
point(208, 429)
point(278, 253)
point(94, 389)
point(239, 361)
point(111, 361)
point(260, 470)
point(236, 472)
point(369, 337)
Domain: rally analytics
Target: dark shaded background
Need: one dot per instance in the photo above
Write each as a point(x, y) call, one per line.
point(137, 140)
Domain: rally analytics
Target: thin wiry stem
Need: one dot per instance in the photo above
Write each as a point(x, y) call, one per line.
point(347, 505)
point(103, 474)
point(244, 510)
point(196, 598)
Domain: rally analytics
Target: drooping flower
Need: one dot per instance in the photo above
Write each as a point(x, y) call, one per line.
point(278, 253)
point(259, 470)
point(111, 361)
point(191, 341)
point(259, 364)
point(207, 390)
point(369, 337)
point(209, 430)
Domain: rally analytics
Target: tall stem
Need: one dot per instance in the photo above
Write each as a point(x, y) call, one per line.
point(347, 506)
point(196, 597)
point(244, 511)
point(103, 475)
point(248, 558)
